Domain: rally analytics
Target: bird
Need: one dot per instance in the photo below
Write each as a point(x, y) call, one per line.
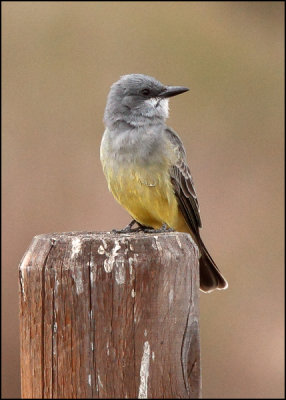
point(145, 165)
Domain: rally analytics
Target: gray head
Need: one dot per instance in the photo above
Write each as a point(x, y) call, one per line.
point(138, 100)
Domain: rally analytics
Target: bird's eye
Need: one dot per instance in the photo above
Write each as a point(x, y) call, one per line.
point(145, 92)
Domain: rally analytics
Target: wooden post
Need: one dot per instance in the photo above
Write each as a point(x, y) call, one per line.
point(104, 315)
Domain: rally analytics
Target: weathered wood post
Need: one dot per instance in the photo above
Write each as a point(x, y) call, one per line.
point(104, 315)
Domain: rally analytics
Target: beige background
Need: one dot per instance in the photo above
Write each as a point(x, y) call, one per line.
point(59, 60)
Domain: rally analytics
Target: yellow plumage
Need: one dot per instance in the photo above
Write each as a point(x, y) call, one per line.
point(147, 194)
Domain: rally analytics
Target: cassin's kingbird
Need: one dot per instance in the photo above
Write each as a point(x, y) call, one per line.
point(145, 165)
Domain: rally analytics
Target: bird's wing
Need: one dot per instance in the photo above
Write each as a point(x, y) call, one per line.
point(183, 184)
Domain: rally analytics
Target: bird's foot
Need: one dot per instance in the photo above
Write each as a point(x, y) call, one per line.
point(129, 229)
point(164, 228)
point(142, 228)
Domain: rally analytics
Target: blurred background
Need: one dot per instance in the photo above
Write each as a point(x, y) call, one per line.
point(59, 60)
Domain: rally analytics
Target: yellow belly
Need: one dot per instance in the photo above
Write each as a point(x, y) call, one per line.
point(147, 194)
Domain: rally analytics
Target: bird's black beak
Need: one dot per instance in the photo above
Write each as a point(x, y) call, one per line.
point(170, 91)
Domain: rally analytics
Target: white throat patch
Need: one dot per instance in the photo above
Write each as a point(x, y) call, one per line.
point(161, 104)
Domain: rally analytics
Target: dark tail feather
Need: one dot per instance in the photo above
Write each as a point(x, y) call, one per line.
point(210, 276)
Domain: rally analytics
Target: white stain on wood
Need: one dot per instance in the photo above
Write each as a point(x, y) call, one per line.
point(145, 332)
point(120, 271)
point(89, 380)
point(57, 284)
point(171, 296)
point(133, 293)
point(101, 250)
point(77, 276)
point(114, 260)
point(178, 241)
point(99, 381)
point(109, 261)
point(144, 372)
point(158, 244)
point(153, 356)
point(130, 262)
point(91, 277)
point(76, 245)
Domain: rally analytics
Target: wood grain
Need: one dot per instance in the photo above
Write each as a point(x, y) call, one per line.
point(104, 315)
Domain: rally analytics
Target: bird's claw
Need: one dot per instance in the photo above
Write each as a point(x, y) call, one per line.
point(163, 229)
point(142, 228)
point(128, 228)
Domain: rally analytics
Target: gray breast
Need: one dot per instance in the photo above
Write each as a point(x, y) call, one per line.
point(143, 146)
